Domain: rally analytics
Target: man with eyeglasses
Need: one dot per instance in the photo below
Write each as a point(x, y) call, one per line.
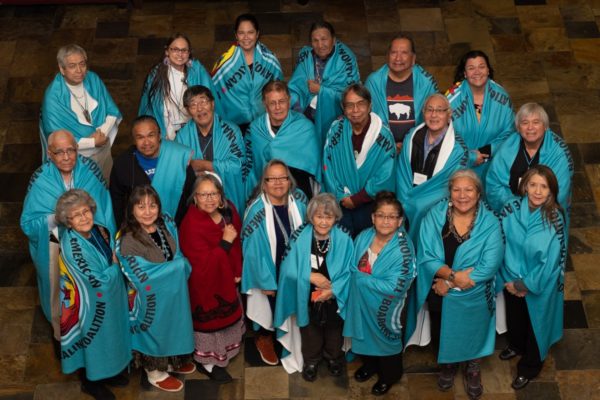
point(286, 135)
point(78, 101)
point(358, 159)
point(431, 153)
point(151, 161)
point(65, 170)
point(400, 87)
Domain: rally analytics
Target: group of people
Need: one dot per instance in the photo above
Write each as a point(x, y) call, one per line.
point(337, 218)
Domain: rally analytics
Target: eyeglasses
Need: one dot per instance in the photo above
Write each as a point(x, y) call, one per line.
point(384, 217)
point(74, 66)
point(70, 152)
point(277, 179)
point(359, 104)
point(208, 195)
point(280, 103)
point(201, 102)
point(178, 50)
point(430, 110)
point(78, 217)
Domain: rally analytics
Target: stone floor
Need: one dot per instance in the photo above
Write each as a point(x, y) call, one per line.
point(542, 50)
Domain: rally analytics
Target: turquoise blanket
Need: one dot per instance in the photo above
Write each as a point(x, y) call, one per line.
point(170, 174)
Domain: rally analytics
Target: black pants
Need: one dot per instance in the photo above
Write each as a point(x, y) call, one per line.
point(357, 219)
point(521, 337)
point(322, 340)
point(388, 368)
point(302, 181)
point(434, 302)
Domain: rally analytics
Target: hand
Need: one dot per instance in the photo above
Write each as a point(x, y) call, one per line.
point(440, 287)
point(201, 165)
point(313, 86)
point(510, 287)
point(319, 280)
point(269, 292)
point(398, 147)
point(237, 279)
point(325, 294)
point(229, 233)
point(99, 137)
point(347, 203)
point(463, 280)
point(481, 158)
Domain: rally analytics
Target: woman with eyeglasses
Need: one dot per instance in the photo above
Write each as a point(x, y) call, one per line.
point(241, 72)
point(159, 304)
point(277, 210)
point(460, 250)
point(166, 83)
point(481, 109)
point(210, 241)
point(93, 300)
point(382, 273)
point(431, 153)
point(358, 159)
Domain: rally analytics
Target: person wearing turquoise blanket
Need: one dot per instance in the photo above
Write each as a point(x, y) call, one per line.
point(270, 220)
point(323, 70)
point(534, 144)
point(459, 252)
point(241, 72)
point(159, 304)
point(400, 87)
point(162, 96)
point(358, 159)
point(313, 291)
point(151, 160)
point(280, 133)
point(92, 297)
point(382, 273)
point(532, 275)
point(217, 144)
point(430, 154)
point(481, 108)
point(64, 170)
point(78, 101)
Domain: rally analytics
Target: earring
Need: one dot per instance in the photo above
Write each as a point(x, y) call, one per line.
point(222, 205)
point(166, 61)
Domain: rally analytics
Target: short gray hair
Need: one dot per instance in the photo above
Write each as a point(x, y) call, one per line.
point(61, 132)
point(70, 199)
point(439, 96)
point(529, 109)
point(325, 202)
point(68, 50)
point(466, 173)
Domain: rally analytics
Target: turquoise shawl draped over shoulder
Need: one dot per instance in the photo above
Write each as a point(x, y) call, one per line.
point(238, 88)
point(372, 170)
point(228, 156)
point(423, 85)
point(57, 113)
point(45, 187)
point(295, 143)
point(94, 324)
point(170, 174)
point(497, 118)
point(160, 317)
point(375, 301)
point(340, 72)
point(291, 311)
point(417, 200)
point(155, 105)
point(554, 153)
point(536, 253)
point(468, 316)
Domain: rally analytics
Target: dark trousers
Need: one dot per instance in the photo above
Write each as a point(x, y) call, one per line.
point(302, 181)
point(388, 368)
point(521, 337)
point(357, 219)
point(434, 303)
point(322, 340)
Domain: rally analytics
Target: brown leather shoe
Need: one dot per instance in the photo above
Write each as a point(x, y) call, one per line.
point(266, 348)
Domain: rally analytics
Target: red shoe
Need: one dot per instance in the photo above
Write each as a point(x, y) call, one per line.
point(184, 369)
point(266, 348)
point(170, 384)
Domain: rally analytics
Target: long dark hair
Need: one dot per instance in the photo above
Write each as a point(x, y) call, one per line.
point(551, 206)
point(160, 83)
point(459, 73)
point(130, 224)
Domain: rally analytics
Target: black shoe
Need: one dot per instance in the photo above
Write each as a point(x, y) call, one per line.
point(507, 354)
point(116, 381)
point(97, 390)
point(335, 367)
point(309, 372)
point(472, 380)
point(446, 377)
point(362, 374)
point(520, 382)
point(218, 374)
point(380, 388)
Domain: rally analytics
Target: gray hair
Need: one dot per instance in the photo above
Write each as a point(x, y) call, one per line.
point(439, 96)
point(273, 162)
point(68, 50)
point(70, 199)
point(325, 202)
point(529, 109)
point(61, 132)
point(466, 173)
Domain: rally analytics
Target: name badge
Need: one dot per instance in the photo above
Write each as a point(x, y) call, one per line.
point(314, 264)
point(419, 178)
